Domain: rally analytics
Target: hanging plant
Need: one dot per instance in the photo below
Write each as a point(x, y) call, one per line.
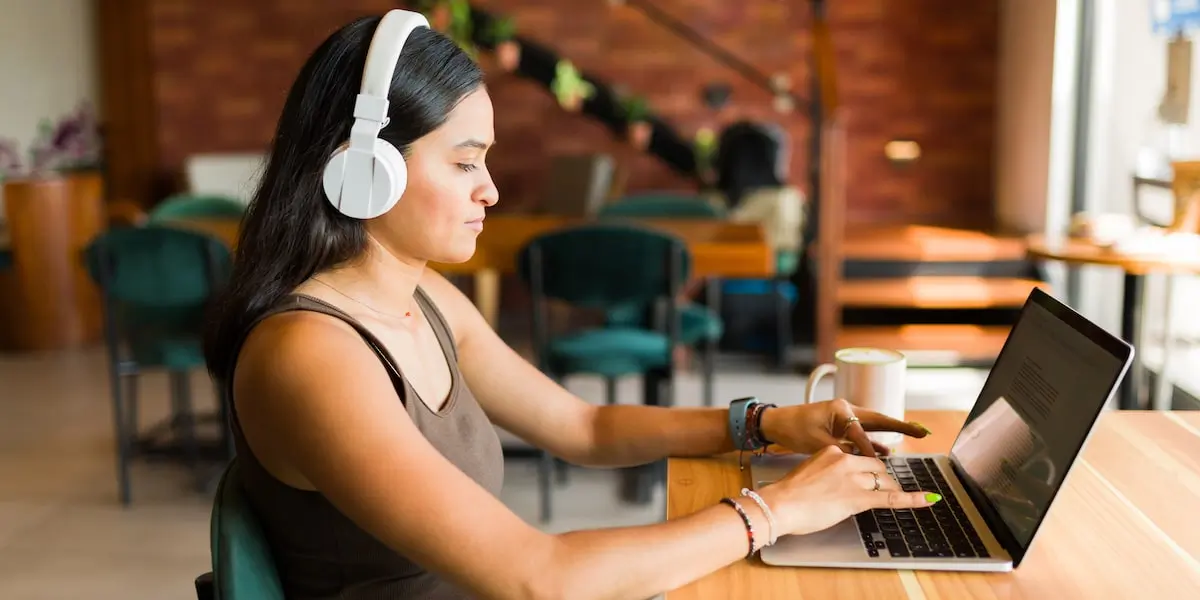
point(637, 112)
point(461, 29)
point(704, 147)
point(437, 12)
point(569, 86)
point(502, 34)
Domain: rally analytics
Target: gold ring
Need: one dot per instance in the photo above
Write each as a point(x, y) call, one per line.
point(850, 421)
point(876, 476)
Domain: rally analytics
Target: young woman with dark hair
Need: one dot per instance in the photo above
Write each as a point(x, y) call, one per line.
point(365, 387)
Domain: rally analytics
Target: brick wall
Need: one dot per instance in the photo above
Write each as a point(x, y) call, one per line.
point(919, 69)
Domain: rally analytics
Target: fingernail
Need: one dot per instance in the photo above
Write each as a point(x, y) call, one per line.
point(923, 428)
point(932, 497)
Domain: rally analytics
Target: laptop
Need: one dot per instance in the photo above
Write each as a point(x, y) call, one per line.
point(1049, 384)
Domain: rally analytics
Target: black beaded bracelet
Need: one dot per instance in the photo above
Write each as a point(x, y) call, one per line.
point(745, 519)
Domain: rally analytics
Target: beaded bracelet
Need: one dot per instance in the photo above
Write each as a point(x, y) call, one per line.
point(772, 537)
point(745, 519)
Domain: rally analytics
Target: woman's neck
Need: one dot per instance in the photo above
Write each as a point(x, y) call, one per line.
point(382, 280)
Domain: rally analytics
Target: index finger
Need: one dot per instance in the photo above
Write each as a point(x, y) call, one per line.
point(873, 421)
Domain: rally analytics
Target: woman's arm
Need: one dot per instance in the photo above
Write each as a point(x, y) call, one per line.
point(312, 396)
point(521, 399)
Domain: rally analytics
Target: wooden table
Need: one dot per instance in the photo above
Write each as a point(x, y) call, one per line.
point(1125, 525)
point(1079, 252)
point(718, 248)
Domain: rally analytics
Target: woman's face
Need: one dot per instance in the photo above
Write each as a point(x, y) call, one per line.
point(441, 211)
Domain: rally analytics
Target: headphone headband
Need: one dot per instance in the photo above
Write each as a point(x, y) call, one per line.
point(365, 177)
point(386, 44)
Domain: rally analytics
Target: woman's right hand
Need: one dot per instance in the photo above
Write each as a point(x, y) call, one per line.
point(832, 486)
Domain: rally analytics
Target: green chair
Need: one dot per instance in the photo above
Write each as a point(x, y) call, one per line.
point(197, 206)
point(603, 266)
point(242, 565)
point(662, 204)
point(699, 324)
point(156, 283)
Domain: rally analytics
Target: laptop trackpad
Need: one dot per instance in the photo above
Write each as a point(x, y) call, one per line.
point(835, 545)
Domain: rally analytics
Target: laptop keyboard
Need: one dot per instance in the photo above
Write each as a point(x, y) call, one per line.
point(940, 531)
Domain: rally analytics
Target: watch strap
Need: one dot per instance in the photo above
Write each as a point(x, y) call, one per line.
point(738, 425)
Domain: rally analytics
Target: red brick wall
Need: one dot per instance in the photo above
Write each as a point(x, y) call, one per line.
point(919, 69)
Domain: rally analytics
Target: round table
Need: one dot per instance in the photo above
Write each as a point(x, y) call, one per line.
point(1077, 252)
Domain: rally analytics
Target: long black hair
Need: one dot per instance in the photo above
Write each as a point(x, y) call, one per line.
point(290, 231)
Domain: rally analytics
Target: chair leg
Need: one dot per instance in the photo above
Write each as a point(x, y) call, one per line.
point(783, 326)
point(610, 390)
point(120, 427)
point(183, 419)
point(710, 352)
point(205, 589)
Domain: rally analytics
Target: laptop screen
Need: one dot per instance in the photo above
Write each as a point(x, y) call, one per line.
point(1044, 393)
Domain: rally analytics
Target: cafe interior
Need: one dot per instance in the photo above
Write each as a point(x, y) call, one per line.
point(698, 202)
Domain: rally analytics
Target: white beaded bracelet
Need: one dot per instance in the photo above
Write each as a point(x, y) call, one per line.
point(771, 535)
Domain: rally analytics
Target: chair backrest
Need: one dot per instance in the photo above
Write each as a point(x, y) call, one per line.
point(184, 206)
point(156, 281)
point(604, 265)
point(157, 266)
point(664, 205)
point(242, 565)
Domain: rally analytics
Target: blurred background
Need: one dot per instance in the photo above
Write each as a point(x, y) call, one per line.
point(887, 173)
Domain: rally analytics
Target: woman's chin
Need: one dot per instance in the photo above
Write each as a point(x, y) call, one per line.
point(459, 252)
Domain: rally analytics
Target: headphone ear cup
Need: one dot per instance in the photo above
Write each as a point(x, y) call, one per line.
point(390, 177)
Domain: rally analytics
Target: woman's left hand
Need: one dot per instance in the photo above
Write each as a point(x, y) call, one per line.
point(807, 428)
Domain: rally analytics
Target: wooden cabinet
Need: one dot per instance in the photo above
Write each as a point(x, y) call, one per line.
point(47, 299)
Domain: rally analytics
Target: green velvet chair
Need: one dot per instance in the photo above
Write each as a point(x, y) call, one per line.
point(700, 325)
point(156, 284)
point(242, 565)
point(602, 266)
point(197, 206)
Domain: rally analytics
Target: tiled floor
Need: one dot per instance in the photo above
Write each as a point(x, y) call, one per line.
point(64, 537)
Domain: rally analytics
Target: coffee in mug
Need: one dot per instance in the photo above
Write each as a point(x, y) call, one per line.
point(872, 378)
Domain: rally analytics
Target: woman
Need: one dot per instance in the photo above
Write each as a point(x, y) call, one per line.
point(366, 386)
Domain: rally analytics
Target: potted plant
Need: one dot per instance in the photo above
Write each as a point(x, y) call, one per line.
point(461, 27)
point(438, 13)
point(704, 148)
point(503, 32)
point(636, 110)
point(569, 86)
point(70, 146)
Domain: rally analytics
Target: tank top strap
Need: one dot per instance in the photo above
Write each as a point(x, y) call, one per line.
point(306, 302)
point(441, 326)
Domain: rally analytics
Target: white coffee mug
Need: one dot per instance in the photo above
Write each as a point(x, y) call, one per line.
point(872, 378)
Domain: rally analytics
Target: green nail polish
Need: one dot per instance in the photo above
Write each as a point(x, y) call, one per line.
point(923, 428)
point(932, 497)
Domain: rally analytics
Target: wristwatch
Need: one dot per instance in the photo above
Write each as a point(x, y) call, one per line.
point(738, 427)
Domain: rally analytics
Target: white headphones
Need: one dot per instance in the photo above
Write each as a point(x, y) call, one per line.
point(366, 176)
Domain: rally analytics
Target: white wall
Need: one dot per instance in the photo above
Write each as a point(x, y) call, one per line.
point(48, 63)
point(1023, 113)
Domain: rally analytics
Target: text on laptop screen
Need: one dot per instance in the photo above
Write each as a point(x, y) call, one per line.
point(1033, 415)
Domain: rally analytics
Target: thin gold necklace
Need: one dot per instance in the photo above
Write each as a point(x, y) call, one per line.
point(357, 301)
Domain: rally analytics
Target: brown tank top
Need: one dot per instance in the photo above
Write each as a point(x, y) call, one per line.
point(319, 552)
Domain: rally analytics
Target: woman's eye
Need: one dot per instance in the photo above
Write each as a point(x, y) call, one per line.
point(468, 167)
